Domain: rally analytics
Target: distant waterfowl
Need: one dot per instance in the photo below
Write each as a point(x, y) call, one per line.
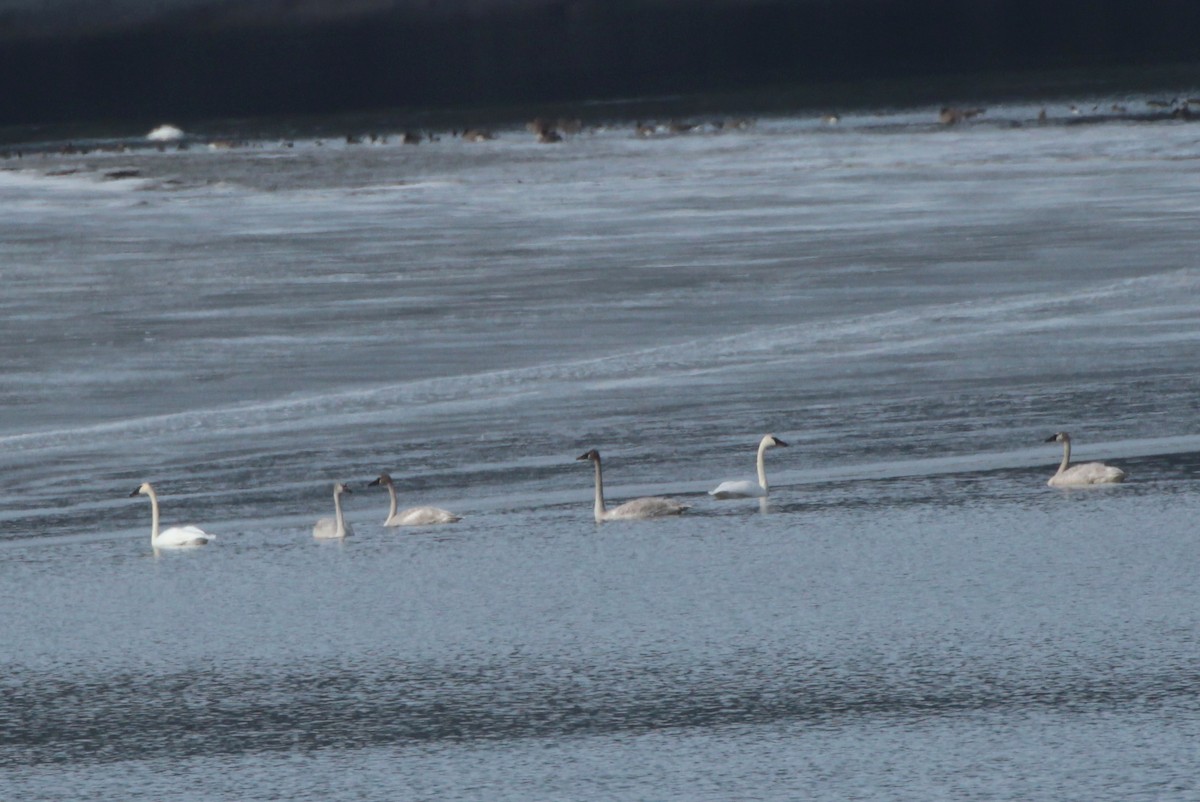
point(175, 537)
point(950, 115)
point(476, 135)
point(569, 125)
point(337, 526)
point(1090, 473)
point(413, 516)
point(639, 508)
point(539, 126)
point(742, 123)
point(165, 133)
point(831, 119)
point(745, 488)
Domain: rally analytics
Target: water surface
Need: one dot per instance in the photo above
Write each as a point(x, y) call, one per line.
point(913, 615)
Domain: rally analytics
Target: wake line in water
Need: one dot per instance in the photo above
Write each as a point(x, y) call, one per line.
point(961, 319)
point(888, 331)
point(129, 717)
point(69, 179)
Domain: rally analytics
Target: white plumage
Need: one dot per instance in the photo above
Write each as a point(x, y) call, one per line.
point(1090, 473)
point(413, 516)
point(165, 133)
point(174, 537)
point(746, 488)
point(337, 526)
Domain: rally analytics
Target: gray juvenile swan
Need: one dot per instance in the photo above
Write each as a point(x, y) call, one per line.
point(745, 488)
point(175, 537)
point(337, 526)
point(413, 516)
point(639, 508)
point(1090, 473)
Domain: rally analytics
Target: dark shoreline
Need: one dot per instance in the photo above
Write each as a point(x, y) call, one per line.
point(269, 59)
point(844, 97)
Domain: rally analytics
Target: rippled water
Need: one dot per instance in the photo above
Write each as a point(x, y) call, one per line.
point(914, 615)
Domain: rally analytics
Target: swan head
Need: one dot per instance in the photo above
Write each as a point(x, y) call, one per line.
point(1059, 437)
point(770, 441)
point(339, 488)
point(144, 489)
point(384, 479)
point(592, 454)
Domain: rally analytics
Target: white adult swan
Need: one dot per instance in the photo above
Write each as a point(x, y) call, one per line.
point(649, 507)
point(175, 537)
point(1090, 473)
point(165, 133)
point(745, 488)
point(337, 526)
point(413, 516)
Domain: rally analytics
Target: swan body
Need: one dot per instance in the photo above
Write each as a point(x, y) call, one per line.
point(638, 509)
point(1090, 473)
point(337, 526)
point(745, 488)
point(413, 516)
point(165, 133)
point(175, 537)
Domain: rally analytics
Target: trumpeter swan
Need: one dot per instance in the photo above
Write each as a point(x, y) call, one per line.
point(1090, 473)
point(745, 488)
point(649, 507)
point(165, 133)
point(413, 516)
point(174, 537)
point(336, 526)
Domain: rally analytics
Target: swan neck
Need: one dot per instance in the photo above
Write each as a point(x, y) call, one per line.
point(337, 507)
point(1066, 456)
point(762, 465)
point(599, 506)
point(153, 515)
point(393, 503)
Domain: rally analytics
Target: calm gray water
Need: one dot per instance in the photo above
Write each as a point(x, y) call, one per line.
point(915, 615)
